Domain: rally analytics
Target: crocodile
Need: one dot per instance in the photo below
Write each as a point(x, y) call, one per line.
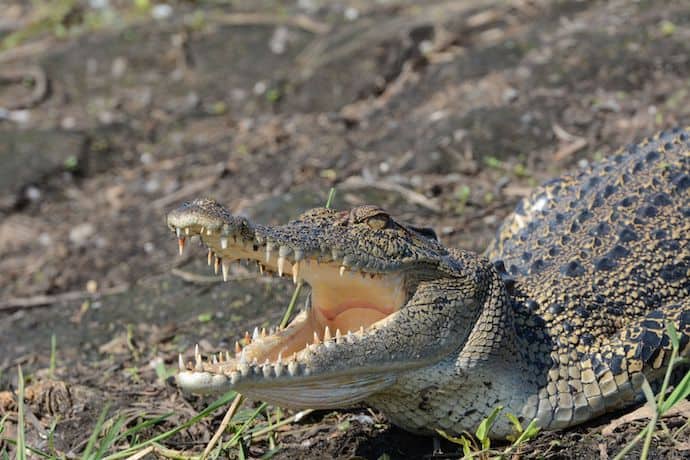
point(559, 321)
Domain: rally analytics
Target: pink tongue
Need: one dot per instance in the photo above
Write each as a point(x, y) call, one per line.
point(352, 318)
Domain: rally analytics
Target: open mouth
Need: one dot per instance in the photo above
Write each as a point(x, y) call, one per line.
point(345, 304)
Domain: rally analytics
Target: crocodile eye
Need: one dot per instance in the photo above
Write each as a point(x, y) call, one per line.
point(378, 221)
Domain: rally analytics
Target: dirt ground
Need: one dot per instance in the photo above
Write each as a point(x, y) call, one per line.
point(445, 114)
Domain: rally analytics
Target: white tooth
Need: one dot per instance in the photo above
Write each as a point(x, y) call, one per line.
point(209, 257)
point(209, 232)
point(261, 268)
point(226, 268)
point(295, 273)
point(267, 368)
point(180, 362)
point(317, 340)
point(342, 270)
point(327, 334)
point(224, 242)
point(227, 356)
point(238, 348)
point(243, 367)
point(234, 377)
point(180, 244)
point(292, 368)
point(278, 368)
point(361, 331)
point(268, 252)
point(255, 334)
point(178, 231)
point(186, 231)
point(263, 332)
point(338, 336)
point(214, 358)
point(216, 264)
point(197, 358)
point(203, 229)
point(281, 265)
point(280, 358)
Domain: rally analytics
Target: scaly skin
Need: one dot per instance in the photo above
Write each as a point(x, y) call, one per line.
point(560, 322)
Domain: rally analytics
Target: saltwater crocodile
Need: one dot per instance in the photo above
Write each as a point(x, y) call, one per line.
point(560, 321)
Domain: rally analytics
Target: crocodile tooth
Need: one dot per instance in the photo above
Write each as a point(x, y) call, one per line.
point(197, 358)
point(180, 244)
point(209, 258)
point(223, 242)
point(280, 358)
point(281, 265)
point(326, 334)
point(226, 268)
point(317, 340)
point(187, 231)
point(342, 270)
point(338, 336)
point(216, 264)
point(278, 368)
point(361, 331)
point(178, 231)
point(292, 368)
point(180, 362)
point(255, 334)
point(209, 232)
point(247, 338)
point(243, 367)
point(214, 358)
point(261, 268)
point(235, 377)
point(203, 229)
point(295, 273)
point(266, 369)
point(227, 356)
point(299, 255)
point(263, 332)
point(238, 348)
point(269, 248)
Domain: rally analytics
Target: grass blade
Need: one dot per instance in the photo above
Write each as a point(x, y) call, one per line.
point(94, 435)
point(21, 443)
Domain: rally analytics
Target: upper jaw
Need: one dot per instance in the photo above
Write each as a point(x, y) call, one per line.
point(329, 328)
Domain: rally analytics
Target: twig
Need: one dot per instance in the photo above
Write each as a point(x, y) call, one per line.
point(223, 425)
point(300, 21)
point(357, 182)
point(574, 143)
point(185, 191)
point(47, 300)
point(18, 76)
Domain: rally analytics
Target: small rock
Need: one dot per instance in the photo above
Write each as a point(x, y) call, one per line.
point(119, 67)
point(279, 40)
point(161, 11)
point(81, 233)
point(351, 13)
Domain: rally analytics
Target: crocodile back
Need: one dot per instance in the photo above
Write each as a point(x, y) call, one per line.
point(591, 252)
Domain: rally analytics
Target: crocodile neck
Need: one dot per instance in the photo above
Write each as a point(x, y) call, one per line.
point(486, 370)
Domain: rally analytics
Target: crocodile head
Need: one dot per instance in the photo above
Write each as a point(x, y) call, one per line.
point(376, 308)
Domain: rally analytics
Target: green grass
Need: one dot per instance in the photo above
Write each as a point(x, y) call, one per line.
point(661, 404)
point(478, 445)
